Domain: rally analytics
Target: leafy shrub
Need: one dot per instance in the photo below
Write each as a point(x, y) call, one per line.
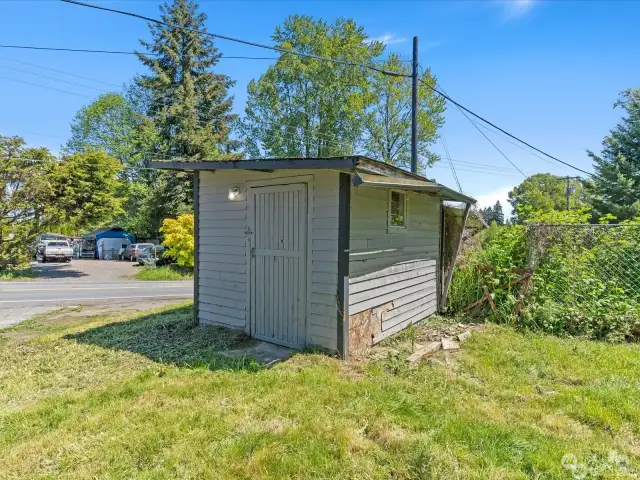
point(586, 279)
point(179, 238)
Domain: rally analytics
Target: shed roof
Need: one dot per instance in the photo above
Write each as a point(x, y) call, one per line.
point(102, 230)
point(377, 173)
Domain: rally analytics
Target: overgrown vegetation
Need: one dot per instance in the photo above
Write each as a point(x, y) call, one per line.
point(585, 278)
point(161, 273)
point(128, 397)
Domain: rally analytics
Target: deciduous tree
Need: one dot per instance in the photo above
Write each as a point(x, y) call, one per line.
point(387, 135)
point(303, 107)
point(85, 187)
point(544, 192)
point(26, 195)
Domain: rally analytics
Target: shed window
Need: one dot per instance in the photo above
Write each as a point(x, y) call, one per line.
point(397, 209)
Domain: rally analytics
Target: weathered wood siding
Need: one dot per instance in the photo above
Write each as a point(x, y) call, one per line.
point(397, 269)
point(224, 249)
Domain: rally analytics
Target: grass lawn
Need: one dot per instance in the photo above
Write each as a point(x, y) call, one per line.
point(17, 274)
point(161, 273)
point(146, 397)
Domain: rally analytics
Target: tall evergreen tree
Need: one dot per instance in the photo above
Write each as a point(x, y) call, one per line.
point(498, 214)
point(493, 214)
point(187, 102)
point(615, 187)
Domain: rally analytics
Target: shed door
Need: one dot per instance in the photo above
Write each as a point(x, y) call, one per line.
point(278, 264)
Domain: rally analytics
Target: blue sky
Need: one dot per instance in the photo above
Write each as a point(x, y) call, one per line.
point(547, 71)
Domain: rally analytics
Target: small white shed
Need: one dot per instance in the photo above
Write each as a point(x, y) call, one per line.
point(334, 252)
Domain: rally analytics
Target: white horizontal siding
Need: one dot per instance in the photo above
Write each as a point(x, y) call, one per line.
point(323, 322)
point(222, 251)
point(393, 267)
point(223, 270)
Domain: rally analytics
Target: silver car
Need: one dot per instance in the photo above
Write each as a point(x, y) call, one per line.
point(132, 251)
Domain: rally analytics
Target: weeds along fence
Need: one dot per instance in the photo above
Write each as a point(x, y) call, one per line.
point(564, 279)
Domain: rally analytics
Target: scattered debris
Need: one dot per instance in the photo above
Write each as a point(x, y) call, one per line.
point(545, 392)
point(464, 336)
point(424, 351)
point(434, 362)
point(449, 344)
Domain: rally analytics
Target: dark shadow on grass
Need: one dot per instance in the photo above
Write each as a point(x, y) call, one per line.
point(171, 337)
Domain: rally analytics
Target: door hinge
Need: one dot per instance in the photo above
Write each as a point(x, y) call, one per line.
point(253, 252)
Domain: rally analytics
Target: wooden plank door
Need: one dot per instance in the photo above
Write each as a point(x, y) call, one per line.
point(278, 264)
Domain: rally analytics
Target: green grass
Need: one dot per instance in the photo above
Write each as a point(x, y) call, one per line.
point(146, 396)
point(17, 274)
point(161, 273)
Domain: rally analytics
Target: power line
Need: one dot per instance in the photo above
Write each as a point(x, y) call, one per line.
point(462, 107)
point(516, 144)
point(60, 71)
point(44, 86)
point(238, 40)
point(55, 79)
point(78, 50)
point(332, 60)
point(120, 52)
point(453, 170)
point(476, 127)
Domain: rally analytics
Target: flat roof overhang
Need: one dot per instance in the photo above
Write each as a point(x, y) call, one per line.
point(372, 173)
point(380, 181)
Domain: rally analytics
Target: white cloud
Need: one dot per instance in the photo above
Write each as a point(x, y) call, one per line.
point(489, 199)
point(387, 39)
point(514, 9)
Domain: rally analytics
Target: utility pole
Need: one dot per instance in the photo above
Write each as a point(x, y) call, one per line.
point(570, 189)
point(414, 108)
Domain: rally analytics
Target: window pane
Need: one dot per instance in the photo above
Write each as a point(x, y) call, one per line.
point(397, 209)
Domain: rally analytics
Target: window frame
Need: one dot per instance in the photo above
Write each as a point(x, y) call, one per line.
point(397, 228)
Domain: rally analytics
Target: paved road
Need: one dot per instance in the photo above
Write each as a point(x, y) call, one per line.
point(83, 283)
point(22, 294)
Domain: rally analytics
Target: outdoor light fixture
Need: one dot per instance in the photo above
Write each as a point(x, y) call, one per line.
point(233, 193)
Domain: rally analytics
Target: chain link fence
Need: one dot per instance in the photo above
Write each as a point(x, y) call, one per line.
point(576, 279)
point(581, 263)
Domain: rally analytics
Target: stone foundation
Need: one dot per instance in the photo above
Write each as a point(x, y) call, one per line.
point(363, 326)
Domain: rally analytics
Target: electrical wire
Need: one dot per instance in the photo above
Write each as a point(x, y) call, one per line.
point(54, 79)
point(118, 52)
point(332, 60)
point(516, 144)
point(238, 40)
point(453, 169)
point(466, 110)
point(60, 71)
point(476, 127)
point(44, 86)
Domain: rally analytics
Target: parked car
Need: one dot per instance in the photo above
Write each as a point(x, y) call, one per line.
point(154, 256)
point(132, 251)
point(54, 250)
